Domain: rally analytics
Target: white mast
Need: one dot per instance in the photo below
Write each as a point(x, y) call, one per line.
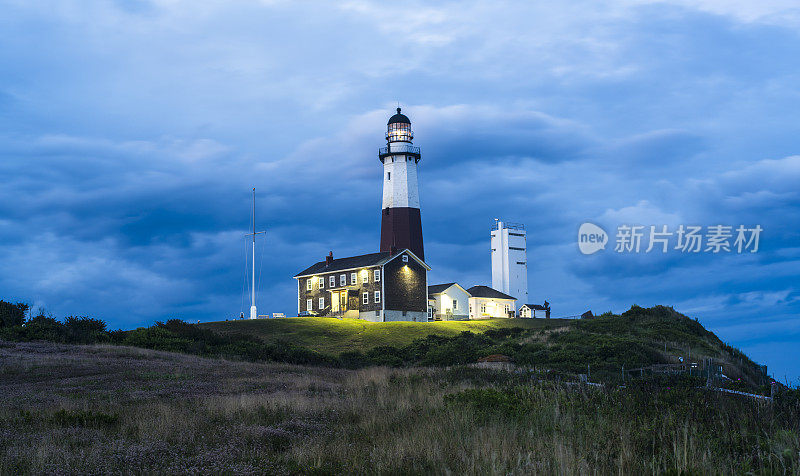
point(253, 311)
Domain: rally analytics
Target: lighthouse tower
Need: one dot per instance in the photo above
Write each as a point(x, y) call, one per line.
point(401, 225)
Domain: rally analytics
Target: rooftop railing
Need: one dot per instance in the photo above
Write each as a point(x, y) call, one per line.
point(399, 149)
point(509, 226)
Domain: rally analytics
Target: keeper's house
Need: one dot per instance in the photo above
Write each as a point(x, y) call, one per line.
point(378, 287)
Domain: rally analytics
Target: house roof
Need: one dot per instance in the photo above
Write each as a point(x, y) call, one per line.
point(439, 288)
point(538, 307)
point(361, 261)
point(487, 292)
point(354, 262)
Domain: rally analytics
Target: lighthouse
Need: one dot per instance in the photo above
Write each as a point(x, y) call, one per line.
point(401, 224)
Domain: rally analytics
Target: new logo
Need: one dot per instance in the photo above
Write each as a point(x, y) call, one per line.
point(591, 238)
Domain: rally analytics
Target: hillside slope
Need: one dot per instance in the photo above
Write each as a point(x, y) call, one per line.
point(640, 338)
point(334, 336)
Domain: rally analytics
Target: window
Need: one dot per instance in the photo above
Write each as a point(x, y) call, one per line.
point(309, 304)
point(377, 296)
point(321, 283)
point(483, 308)
point(377, 275)
point(521, 262)
point(365, 277)
point(405, 258)
point(321, 303)
point(388, 176)
point(430, 312)
point(308, 284)
point(516, 249)
point(455, 304)
point(365, 298)
point(353, 278)
point(470, 309)
point(343, 280)
point(332, 281)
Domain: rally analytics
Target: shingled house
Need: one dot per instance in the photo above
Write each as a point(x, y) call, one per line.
point(379, 287)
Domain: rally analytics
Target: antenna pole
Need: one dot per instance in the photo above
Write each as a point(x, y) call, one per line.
point(253, 310)
point(253, 289)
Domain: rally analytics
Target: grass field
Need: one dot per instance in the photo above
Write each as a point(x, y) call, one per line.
point(101, 409)
point(333, 336)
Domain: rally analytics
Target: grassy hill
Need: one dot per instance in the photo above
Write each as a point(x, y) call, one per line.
point(639, 337)
point(334, 336)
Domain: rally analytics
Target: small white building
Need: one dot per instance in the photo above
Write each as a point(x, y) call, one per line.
point(510, 260)
point(530, 310)
point(448, 302)
point(485, 303)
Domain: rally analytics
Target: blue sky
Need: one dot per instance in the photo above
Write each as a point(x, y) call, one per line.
point(132, 132)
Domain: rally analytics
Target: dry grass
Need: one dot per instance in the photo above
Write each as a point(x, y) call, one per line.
point(101, 409)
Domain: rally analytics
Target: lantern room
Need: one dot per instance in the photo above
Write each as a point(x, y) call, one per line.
point(399, 128)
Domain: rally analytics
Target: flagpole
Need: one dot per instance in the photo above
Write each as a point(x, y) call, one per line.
point(253, 309)
point(253, 312)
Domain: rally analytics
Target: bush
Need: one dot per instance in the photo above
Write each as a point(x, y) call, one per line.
point(85, 330)
point(12, 314)
point(43, 328)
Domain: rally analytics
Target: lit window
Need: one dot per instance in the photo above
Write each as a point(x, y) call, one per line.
point(364, 277)
point(343, 280)
point(405, 258)
point(377, 296)
point(377, 275)
point(321, 283)
point(308, 285)
point(322, 303)
point(309, 304)
point(332, 281)
point(353, 278)
point(365, 298)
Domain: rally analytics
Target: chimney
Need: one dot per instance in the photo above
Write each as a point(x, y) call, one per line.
point(329, 259)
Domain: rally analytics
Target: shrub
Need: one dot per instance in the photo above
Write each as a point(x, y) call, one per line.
point(12, 314)
point(85, 330)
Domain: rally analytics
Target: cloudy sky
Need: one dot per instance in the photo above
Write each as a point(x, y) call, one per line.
point(131, 133)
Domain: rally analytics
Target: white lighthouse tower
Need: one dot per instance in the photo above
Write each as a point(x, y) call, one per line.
point(401, 224)
point(510, 260)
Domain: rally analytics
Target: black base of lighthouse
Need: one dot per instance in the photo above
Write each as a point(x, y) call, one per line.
point(402, 228)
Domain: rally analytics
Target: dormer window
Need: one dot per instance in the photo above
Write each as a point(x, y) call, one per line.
point(405, 258)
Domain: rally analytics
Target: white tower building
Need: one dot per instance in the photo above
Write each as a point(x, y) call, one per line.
point(510, 261)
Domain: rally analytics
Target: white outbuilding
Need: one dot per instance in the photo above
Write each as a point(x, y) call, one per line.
point(448, 302)
point(485, 303)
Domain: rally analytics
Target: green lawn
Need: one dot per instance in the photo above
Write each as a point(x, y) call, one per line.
point(333, 336)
